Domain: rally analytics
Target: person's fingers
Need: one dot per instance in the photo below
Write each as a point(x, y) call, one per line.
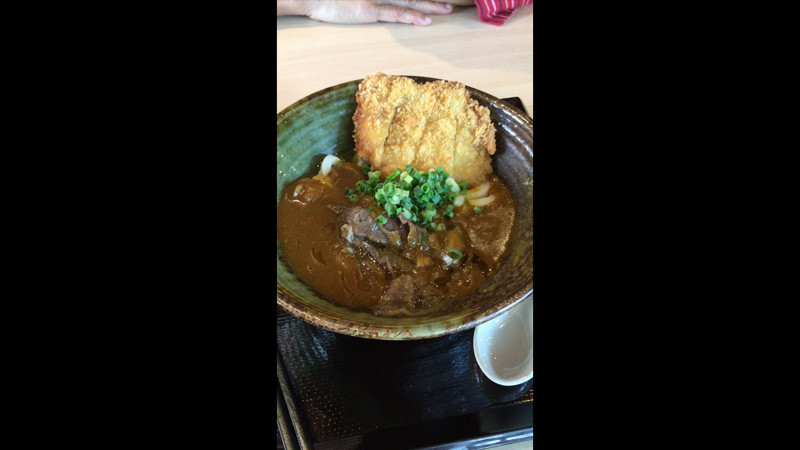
point(368, 11)
point(388, 13)
point(344, 11)
point(458, 2)
point(423, 6)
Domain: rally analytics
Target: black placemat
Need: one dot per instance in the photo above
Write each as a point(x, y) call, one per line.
point(345, 386)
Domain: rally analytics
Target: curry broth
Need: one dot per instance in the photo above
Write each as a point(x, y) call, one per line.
point(309, 236)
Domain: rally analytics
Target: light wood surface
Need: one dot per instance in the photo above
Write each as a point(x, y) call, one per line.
point(457, 47)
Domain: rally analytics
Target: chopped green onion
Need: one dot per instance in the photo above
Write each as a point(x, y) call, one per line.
point(420, 196)
point(477, 209)
point(456, 254)
point(380, 220)
point(363, 187)
point(452, 185)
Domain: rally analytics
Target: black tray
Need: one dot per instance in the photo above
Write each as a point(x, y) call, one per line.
point(342, 392)
point(345, 392)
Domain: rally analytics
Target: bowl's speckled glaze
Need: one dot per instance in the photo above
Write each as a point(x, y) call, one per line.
point(321, 124)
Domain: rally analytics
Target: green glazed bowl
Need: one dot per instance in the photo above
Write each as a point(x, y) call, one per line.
point(322, 124)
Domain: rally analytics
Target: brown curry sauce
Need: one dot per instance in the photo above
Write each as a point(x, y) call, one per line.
point(309, 236)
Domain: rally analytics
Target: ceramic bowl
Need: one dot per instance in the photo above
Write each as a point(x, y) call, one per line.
point(322, 124)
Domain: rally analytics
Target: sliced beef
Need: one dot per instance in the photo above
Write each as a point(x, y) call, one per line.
point(392, 224)
point(393, 229)
point(362, 225)
point(391, 262)
point(407, 295)
point(357, 223)
point(398, 298)
point(411, 233)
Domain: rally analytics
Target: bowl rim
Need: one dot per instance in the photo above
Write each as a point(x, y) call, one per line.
point(448, 324)
point(396, 332)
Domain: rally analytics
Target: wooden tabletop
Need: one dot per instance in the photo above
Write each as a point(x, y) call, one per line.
point(456, 47)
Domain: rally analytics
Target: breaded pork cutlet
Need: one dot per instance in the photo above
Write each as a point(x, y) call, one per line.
point(426, 125)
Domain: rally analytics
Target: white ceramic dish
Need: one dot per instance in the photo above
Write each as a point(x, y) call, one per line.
point(503, 346)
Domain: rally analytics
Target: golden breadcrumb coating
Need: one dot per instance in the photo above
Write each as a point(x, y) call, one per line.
point(430, 125)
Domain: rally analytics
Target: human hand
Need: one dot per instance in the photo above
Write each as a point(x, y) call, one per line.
point(366, 11)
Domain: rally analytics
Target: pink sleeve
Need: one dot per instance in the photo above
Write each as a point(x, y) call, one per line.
point(496, 12)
